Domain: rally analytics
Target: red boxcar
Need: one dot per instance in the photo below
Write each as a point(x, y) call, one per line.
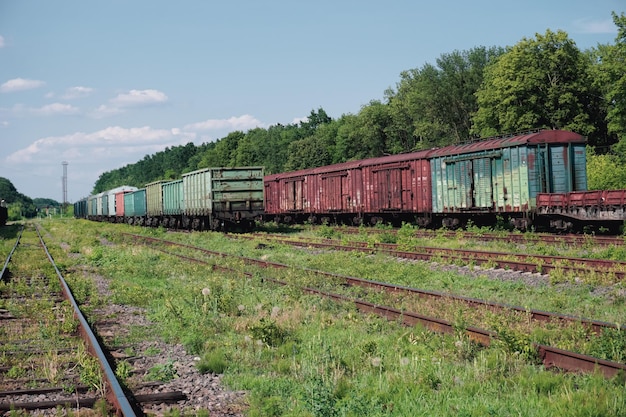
point(390, 188)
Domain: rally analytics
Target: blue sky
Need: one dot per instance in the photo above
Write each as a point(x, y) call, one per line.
point(102, 84)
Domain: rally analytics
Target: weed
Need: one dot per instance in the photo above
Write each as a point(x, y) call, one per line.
point(269, 333)
point(123, 370)
point(162, 372)
point(16, 372)
point(213, 361)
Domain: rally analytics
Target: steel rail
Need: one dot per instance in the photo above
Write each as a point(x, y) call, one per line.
point(525, 263)
point(539, 315)
point(570, 239)
point(550, 356)
point(6, 263)
point(114, 394)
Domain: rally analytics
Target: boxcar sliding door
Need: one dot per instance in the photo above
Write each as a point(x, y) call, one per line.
point(293, 195)
point(483, 192)
point(388, 189)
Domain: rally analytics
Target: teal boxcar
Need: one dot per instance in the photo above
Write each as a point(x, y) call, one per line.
point(504, 175)
point(135, 203)
point(173, 198)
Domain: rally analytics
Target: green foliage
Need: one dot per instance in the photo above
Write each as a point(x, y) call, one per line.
point(433, 105)
point(610, 345)
point(213, 361)
point(269, 333)
point(123, 370)
point(605, 172)
point(541, 82)
point(163, 372)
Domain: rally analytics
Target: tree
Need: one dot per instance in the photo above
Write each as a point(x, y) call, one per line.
point(433, 105)
point(307, 153)
point(605, 171)
point(17, 203)
point(539, 83)
point(224, 153)
point(610, 78)
point(315, 119)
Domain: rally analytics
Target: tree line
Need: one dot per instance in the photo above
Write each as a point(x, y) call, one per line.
point(541, 82)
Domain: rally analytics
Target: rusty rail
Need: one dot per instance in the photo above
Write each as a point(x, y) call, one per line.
point(114, 394)
point(519, 262)
point(550, 356)
point(6, 263)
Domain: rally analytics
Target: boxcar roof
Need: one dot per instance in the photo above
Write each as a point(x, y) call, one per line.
point(530, 138)
point(344, 166)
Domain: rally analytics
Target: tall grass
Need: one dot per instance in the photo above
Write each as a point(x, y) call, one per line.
point(301, 355)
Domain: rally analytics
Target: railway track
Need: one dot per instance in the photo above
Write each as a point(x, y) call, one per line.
point(518, 262)
point(550, 356)
point(51, 357)
point(567, 239)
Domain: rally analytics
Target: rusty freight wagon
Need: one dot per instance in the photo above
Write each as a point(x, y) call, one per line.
point(503, 176)
point(222, 198)
point(386, 189)
point(597, 210)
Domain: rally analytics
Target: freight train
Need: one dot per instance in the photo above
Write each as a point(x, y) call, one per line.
point(528, 180)
point(206, 199)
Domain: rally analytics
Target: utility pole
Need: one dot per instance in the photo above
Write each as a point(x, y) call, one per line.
point(64, 185)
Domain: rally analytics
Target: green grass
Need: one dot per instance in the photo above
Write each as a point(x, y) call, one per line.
point(301, 355)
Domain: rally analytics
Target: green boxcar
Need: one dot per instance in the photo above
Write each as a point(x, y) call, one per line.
point(504, 175)
point(224, 193)
point(173, 198)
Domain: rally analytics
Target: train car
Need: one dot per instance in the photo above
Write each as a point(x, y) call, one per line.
point(99, 205)
point(475, 182)
point(392, 188)
point(154, 203)
point(173, 203)
point(206, 199)
point(135, 207)
point(222, 198)
point(92, 208)
point(398, 188)
point(596, 210)
point(502, 176)
point(80, 208)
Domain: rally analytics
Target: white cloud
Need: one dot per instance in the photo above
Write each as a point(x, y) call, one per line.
point(18, 84)
point(2, 43)
point(77, 92)
point(20, 110)
point(132, 99)
point(112, 142)
point(595, 26)
point(4, 123)
point(105, 111)
point(244, 122)
point(55, 108)
point(138, 98)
